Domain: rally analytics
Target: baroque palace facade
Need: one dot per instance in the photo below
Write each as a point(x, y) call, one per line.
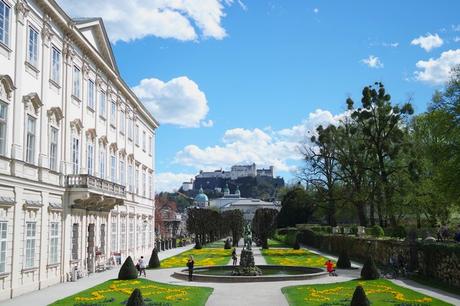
point(76, 151)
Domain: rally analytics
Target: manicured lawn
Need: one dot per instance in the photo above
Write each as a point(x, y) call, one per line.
point(117, 292)
point(203, 257)
point(272, 243)
point(215, 244)
point(291, 257)
point(379, 292)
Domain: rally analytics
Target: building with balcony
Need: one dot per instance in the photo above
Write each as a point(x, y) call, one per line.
point(76, 151)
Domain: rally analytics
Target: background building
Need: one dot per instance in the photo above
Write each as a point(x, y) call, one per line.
point(76, 151)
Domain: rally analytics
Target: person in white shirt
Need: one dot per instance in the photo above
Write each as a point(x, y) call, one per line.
point(142, 266)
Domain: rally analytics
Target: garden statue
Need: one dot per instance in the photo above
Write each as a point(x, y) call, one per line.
point(247, 237)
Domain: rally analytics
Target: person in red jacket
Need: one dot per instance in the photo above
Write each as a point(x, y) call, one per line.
point(330, 268)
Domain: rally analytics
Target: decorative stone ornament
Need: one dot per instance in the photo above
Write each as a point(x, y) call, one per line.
point(55, 115)
point(22, 9)
point(47, 32)
point(76, 125)
point(32, 102)
point(91, 134)
point(103, 140)
point(6, 86)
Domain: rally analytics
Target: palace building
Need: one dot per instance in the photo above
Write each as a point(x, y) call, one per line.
point(76, 151)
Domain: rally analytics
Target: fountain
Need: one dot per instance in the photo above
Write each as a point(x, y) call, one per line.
point(247, 271)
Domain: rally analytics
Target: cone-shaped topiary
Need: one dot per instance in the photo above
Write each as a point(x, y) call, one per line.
point(227, 245)
point(359, 297)
point(127, 270)
point(344, 260)
point(135, 299)
point(198, 245)
point(154, 261)
point(296, 245)
point(369, 270)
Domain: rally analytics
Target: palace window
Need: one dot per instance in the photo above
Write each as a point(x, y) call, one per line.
point(122, 122)
point(54, 243)
point(150, 186)
point(102, 161)
point(91, 94)
point(144, 184)
point(136, 135)
point(3, 123)
point(114, 236)
point(75, 155)
point(130, 178)
point(76, 86)
point(150, 145)
point(123, 234)
point(113, 113)
point(102, 238)
point(90, 158)
point(3, 245)
point(131, 233)
point(31, 230)
point(122, 173)
point(130, 129)
point(4, 23)
point(102, 102)
point(32, 50)
point(113, 168)
point(137, 181)
point(55, 65)
point(54, 132)
point(144, 141)
point(75, 241)
point(30, 139)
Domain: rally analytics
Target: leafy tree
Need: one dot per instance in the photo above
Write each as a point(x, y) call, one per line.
point(297, 206)
point(321, 170)
point(264, 224)
point(233, 221)
point(382, 127)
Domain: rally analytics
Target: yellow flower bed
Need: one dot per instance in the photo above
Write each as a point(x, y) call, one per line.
point(202, 257)
point(291, 257)
point(127, 286)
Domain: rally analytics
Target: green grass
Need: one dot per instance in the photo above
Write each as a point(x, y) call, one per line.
point(434, 284)
point(115, 292)
point(291, 257)
point(203, 257)
point(272, 243)
point(379, 292)
point(215, 244)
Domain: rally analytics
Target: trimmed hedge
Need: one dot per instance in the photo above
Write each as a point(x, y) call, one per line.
point(359, 297)
point(369, 270)
point(135, 299)
point(154, 261)
point(344, 260)
point(128, 270)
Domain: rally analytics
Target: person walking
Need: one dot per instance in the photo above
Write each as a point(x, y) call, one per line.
point(190, 264)
point(234, 257)
point(330, 268)
point(142, 266)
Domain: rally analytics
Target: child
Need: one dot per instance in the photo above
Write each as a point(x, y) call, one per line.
point(234, 257)
point(190, 264)
point(330, 268)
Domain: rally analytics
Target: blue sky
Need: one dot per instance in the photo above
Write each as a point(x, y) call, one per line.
point(242, 81)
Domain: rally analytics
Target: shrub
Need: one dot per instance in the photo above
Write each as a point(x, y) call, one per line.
point(296, 245)
point(227, 244)
point(398, 231)
point(369, 270)
point(154, 261)
point(127, 270)
point(135, 299)
point(359, 297)
point(377, 231)
point(344, 260)
point(198, 245)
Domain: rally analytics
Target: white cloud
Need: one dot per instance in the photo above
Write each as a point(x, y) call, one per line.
point(243, 5)
point(316, 10)
point(208, 123)
point(428, 42)
point(178, 101)
point(168, 181)
point(372, 62)
point(135, 19)
point(437, 71)
point(277, 148)
point(457, 38)
point(391, 44)
point(456, 28)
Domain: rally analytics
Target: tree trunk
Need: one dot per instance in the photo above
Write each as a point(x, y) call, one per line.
point(372, 213)
point(361, 214)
